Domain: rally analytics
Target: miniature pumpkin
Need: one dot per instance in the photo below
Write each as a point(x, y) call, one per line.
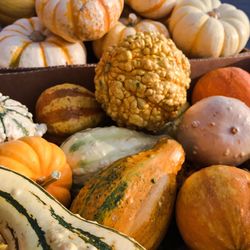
point(202, 28)
point(229, 81)
point(216, 130)
point(11, 10)
point(213, 209)
point(16, 121)
point(41, 161)
point(67, 108)
point(152, 9)
point(127, 26)
point(27, 43)
point(142, 82)
point(79, 20)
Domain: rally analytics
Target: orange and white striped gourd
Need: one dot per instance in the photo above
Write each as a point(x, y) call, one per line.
point(77, 20)
point(152, 8)
point(125, 27)
point(27, 43)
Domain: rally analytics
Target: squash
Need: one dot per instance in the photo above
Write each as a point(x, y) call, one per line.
point(202, 28)
point(216, 130)
point(68, 108)
point(152, 9)
point(127, 26)
point(16, 120)
point(135, 195)
point(213, 209)
point(11, 10)
point(27, 43)
point(31, 219)
point(79, 20)
point(40, 160)
point(229, 81)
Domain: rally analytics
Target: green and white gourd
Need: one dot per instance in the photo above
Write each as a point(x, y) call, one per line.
point(93, 149)
point(16, 120)
point(31, 219)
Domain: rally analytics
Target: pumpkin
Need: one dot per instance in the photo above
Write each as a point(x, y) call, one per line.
point(202, 28)
point(216, 130)
point(152, 9)
point(41, 161)
point(213, 209)
point(33, 219)
point(79, 20)
point(67, 108)
point(135, 195)
point(229, 81)
point(27, 43)
point(16, 120)
point(11, 10)
point(127, 26)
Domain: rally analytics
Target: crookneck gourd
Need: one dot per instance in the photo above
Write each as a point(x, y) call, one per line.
point(135, 195)
point(31, 219)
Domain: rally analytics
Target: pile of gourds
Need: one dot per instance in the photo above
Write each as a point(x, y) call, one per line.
point(109, 186)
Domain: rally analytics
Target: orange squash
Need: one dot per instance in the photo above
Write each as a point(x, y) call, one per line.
point(213, 209)
point(229, 81)
point(41, 161)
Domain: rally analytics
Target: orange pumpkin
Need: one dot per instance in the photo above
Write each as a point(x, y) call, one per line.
point(41, 161)
point(79, 20)
point(213, 209)
point(229, 81)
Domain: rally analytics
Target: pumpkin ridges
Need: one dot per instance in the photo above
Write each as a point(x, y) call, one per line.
point(53, 19)
point(153, 8)
point(107, 21)
point(43, 54)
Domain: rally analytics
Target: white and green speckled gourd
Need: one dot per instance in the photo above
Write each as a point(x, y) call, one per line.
point(16, 120)
point(31, 219)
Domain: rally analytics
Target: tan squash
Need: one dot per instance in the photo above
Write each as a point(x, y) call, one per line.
point(79, 20)
point(27, 43)
point(125, 27)
point(135, 195)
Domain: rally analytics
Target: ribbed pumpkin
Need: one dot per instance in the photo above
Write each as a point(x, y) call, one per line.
point(213, 209)
point(27, 43)
point(68, 108)
point(11, 10)
point(229, 81)
point(152, 9)
point(135, 195)
point(127, 26)
point(79, 20)
point(202, 28)
point(41, 161)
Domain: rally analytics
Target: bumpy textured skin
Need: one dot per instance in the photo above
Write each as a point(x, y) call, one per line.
point(142, 82)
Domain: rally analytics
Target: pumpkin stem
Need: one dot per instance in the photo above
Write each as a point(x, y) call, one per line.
point(45, 181)
point(132, 19)
point(214, 13)
point(37, 36)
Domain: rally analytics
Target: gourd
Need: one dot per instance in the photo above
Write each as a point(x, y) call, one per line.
point(91, 150)
point(27, 43)
point(152, 9)
point(216, 130)
point(31, 219)
point(229, 81)
point(68, 108)
point(213, 209)
point(79, 20)
point(11, 10)
point(125, 27)
point(202, 28)
point(41, 161)
point(135, 195)
point(16, 120)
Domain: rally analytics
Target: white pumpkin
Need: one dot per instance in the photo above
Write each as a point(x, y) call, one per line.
point(27, 43)
point(154, 9)
point(208, 28)
point(127, 26)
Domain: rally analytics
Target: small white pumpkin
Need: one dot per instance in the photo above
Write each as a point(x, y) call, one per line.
point(125, 27)
point(27, 43)
point(203, 28)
